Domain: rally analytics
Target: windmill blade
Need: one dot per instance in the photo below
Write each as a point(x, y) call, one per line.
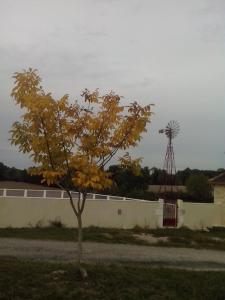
point(172, 129)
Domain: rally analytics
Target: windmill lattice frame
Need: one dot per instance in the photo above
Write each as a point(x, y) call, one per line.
point(171, 131)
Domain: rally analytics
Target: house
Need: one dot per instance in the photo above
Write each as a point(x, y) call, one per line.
point(218, 184)
point(166, 188)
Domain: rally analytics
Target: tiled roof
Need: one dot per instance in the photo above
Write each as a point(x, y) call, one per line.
point(220, 179)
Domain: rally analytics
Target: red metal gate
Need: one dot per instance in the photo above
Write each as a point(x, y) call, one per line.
point(170, 214)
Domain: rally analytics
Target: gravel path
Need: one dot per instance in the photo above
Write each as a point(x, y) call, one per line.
point(99, 252)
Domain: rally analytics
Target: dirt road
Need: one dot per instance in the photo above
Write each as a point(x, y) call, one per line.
point(99, 252)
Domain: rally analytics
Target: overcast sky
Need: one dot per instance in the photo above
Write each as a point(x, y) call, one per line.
point(167, 52)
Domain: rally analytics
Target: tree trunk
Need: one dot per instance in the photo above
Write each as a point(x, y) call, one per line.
point(78, 212)
point(82, 271)
point(80, 238)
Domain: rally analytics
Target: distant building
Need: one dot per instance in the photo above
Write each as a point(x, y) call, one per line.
point(167, 188)
point(218, 184)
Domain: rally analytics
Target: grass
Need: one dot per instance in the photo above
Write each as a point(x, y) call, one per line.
point(23, 280)
point(213, 238)
point(94, 234)
point(183, 237)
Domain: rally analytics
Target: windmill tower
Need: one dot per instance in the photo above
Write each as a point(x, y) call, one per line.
point(171, 131)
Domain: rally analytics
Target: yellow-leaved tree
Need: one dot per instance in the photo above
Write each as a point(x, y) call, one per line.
point(71, 143)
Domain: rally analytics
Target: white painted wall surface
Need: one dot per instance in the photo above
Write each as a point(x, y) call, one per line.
point(201, 215)
point(219, 194)
point(24, 212)
point(20, 212)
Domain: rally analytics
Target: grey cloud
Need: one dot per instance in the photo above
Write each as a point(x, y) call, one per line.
point(170, 53)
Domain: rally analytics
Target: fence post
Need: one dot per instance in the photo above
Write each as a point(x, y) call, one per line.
point(4, 193)
point(180, 213)
point(62, 194)
point(94, 197)
point(44, 193)
point(25, 193)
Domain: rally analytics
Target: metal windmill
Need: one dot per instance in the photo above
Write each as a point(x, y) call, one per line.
point(171, 131)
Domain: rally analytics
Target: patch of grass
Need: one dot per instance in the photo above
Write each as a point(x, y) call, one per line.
point(22, 280)
point(185, 237)
point(39, 233)
point(169, 232)
point(111, 235)
point(186, 232)
point(94, 234)
point(182, 237)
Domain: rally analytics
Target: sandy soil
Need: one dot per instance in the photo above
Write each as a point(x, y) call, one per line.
point(100, 252)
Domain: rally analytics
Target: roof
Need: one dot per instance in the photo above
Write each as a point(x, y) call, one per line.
point(156, 188)
point(23, 185)
point(218, 180)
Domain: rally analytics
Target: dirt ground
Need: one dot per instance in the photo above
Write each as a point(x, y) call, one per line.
point(105, 253)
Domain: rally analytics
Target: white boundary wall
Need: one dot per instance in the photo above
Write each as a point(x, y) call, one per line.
point(200, 215)
point(101, 210)
point(20, 212)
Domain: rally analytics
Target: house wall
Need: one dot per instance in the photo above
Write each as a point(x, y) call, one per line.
point(219, 194)
point(24, 212)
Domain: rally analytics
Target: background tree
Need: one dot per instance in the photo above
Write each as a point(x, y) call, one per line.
point(14, 174)
point(126, 180)
point(71, 143)
point(199, 188)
